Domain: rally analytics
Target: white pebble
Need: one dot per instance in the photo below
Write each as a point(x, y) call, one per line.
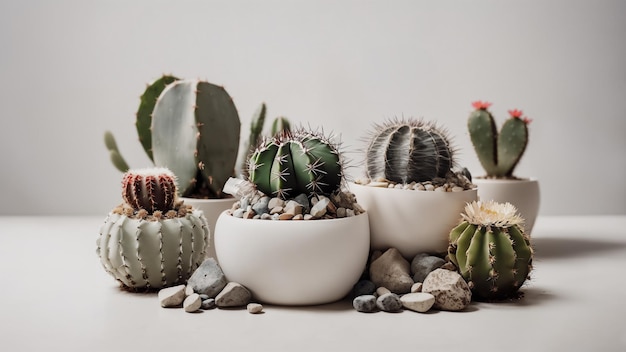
point(417, 287)
point(419, 301)
point(429, 187)
point(379, 184)
point(254, 308)
point(382, 290)
point(457, 189)
point(192, 303)
point(172, 296)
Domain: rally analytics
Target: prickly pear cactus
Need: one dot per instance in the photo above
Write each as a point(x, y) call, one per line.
point(405, 151)
point(296, 162)
point(195, 133)
point(499, 153)
point(491, 250)
point(152, 240)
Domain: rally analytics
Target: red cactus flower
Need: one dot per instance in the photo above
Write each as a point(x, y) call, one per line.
point(516, 113)
point(527, 120)
point(481, 105)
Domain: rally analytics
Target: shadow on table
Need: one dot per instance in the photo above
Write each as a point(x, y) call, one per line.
point(561, 248)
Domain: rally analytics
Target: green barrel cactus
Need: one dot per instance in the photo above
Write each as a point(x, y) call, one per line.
point(296, 162)
point(491, 250)
point(498, 153)
point(405, 151)
point(152, 240)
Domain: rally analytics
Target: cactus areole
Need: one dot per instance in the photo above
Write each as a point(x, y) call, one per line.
point(296, 162)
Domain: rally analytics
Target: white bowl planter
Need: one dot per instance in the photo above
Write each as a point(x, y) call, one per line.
point(523, 193)
point(293, 262)
point(212, 208)
point(409, 220)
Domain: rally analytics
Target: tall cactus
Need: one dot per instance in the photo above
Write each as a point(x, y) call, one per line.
point(405, 151)
point(491, 250)
point(195, 133)
point(296, 162)
point(498, 153)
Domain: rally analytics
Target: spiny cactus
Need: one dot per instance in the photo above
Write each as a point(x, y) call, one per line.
point(491, 250)
point(114, 153)
point(499, 153)
point(150, 250)
point(149, 189)
point(296, 162)
point(195, 133)
point(279, 125)
point(405, 151)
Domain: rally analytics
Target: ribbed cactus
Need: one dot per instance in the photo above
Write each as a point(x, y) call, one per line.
point(296, 162)
point(279, 125)
point(145, 249)
point(405, 151)
point(195, 133)
point(499, 153)
point(491, 250)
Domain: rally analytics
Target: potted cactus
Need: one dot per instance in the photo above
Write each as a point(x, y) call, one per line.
point(152, 239)
point(491, 250)
point(294, 224)
point(192, 128)
point(411, 192)
point(499, 153)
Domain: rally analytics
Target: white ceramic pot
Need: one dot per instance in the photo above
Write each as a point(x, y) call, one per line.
point(411, 221)
point(293, 262)
point(212, 208)
point(524, 194)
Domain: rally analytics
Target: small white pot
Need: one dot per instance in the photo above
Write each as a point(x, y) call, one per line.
point(212, 208)
point(411, 221)
point(523, 193)
point(293, 262)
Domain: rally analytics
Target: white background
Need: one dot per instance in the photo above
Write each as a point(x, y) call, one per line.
point(72, 69)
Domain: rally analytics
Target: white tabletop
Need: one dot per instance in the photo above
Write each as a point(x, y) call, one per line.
point(56, 296)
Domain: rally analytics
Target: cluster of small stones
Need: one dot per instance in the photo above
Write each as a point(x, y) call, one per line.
point(260, 206)
point(207, 288)
point(392, 284)
point(455, 182)
point(180, 210)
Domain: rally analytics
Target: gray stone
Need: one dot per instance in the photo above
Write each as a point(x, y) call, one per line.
point(208, 279)
point(192, 303)
point(363, 287)
point(365, 303)
point(449, 288)
point(172, 296)
point(304, 201)
point(419, 301)
point(392, 271)
point(207, 303)
point(233, 295)
point(261, 207)
point(422, 264)
point(389, 302)
point(254, 308)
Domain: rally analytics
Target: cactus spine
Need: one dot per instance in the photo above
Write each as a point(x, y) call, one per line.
point(491, 250)
point(148, 246)
point(195, 133)
point(405, 151)
point(296, 162)
point(498, 153)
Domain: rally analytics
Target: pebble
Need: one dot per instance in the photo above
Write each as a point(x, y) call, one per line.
point(449, 288)
point(419, 301)
point(189, 290)
point(319, 209)
point(417, 287)
point(276, 210)
point(285, 216)
point(303, 200)
point(389, 302)
point(422, 264)
point(363, 287)
point(457, 189)
point(381, 291)
point(172, 296)
point(298, 217)
point(392, 271)
point(208, 303)
point(292, 207)
point(429, 187)
point(261, 206)
point(233, 295)
point(378, 184)
point(208, 278)
point(254, 308)
point(192, 303)
point(365, 303)
point(238, 213)
point(275, 202)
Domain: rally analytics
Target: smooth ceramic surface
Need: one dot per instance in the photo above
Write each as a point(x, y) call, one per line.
point(212, 208)
point(409, 220)
point(524, 194)
point(293, 262)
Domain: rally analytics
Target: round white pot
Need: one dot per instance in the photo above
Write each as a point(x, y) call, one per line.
point(212, 208)
point(411, 221)
point(523, 193)
point(293, 262)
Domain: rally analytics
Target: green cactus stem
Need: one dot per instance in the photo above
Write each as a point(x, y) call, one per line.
point(296, 162)
point(195, 133)
point(114, 153)
point(491, 250)
point(279, 125)
point(150, 189)
point(405, 151)
point(498, 153)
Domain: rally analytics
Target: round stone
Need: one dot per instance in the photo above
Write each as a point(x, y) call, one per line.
point(389, 302)
point(254, 308)
point(419, 301)
point(365, 303)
